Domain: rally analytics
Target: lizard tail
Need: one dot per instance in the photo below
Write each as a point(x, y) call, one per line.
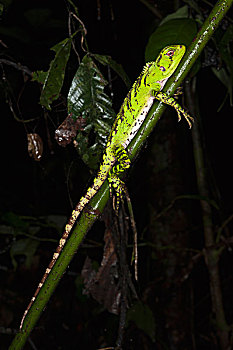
point(98, 182)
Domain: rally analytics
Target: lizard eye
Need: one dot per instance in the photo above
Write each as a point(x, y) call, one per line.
point(170, 53)
point(162, 68)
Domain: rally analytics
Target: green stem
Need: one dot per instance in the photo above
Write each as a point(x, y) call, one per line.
point(99, 201)
point(81, 228)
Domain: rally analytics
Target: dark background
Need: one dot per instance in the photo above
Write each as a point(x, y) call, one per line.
point(53, 185)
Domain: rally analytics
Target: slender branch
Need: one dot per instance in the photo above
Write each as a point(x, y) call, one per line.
point(99, 201)
point(17, 66)
point(152, 8)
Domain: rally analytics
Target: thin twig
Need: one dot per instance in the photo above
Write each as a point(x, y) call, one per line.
point(135, 235)
point(72, 41)
point(84, 30)
point(17, 66)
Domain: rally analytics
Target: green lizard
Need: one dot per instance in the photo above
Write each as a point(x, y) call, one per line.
point(132, 113)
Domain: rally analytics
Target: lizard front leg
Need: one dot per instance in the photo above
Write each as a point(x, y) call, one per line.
point(123, 163)
point(161, 96)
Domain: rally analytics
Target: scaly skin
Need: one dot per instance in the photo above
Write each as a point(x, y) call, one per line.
point(132, 113)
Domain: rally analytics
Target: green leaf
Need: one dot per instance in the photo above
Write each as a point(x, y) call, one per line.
point(87, 99)
point(182, 12)
point(6, 3)
point(15, 32)
point(39, 76)
point(143, 317)
point(176, 31)
point(107, 60)
point(79, 289)
point(1, 9)
point(37, 16)
point(14, 220)
point(25, 247)
point(225, 78)
point(53, 79)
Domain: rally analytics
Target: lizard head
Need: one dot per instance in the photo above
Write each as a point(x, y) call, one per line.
point(166, 63)
point(169, 58)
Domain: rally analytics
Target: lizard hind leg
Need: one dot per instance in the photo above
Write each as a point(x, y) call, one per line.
point(123, 163)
